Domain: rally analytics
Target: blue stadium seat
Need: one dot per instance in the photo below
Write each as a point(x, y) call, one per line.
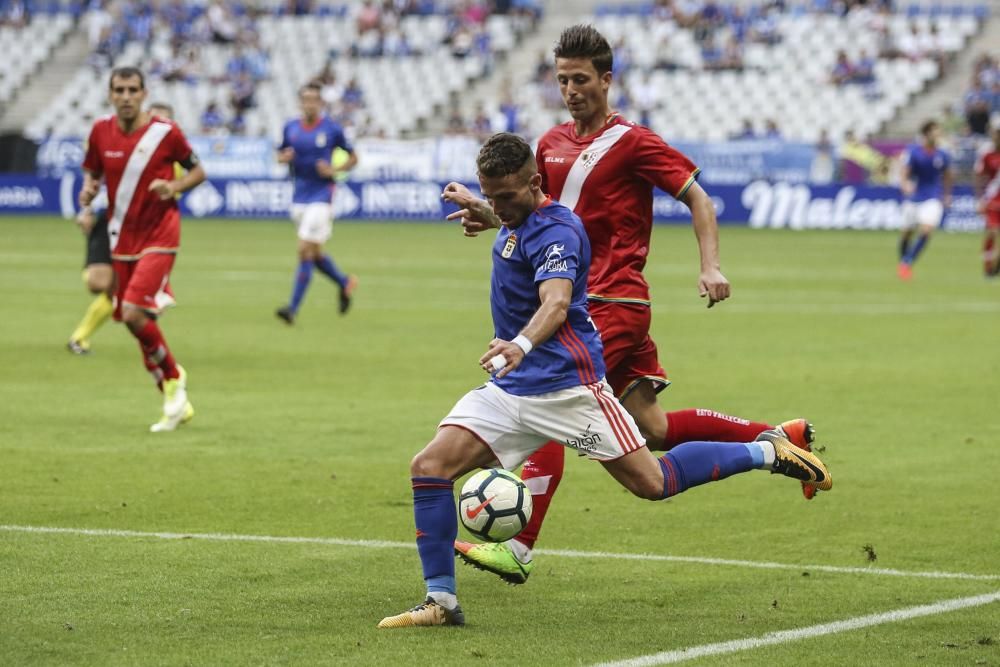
point(981, 12)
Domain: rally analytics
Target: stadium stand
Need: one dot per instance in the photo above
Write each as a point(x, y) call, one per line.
point(774, 65)
point(249, 64)
point(26, 42)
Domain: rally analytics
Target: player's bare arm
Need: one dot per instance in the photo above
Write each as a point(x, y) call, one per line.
point(475, 214)
point(947, 180)
point(906, 184)
point(286, 155)
point(711, 282)
point(555, 295)
point(85, 220)
point(89, 189)
point(167, 189)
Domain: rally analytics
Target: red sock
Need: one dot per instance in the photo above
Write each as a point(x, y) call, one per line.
point(700, 424)
point(153, 368)
point(154, 347)
point(542, 472)
point(989, 255)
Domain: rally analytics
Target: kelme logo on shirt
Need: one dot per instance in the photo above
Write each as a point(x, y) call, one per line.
point(554, 262)
point(508, 248)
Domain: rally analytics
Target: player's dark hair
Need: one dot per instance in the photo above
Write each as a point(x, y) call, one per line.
point(163, 105)
point(926, 128)
point(127, 72)
point(313, 85)
point(583, 41)
point(503, 154)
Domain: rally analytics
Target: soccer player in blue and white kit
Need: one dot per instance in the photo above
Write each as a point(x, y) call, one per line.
point(547, 382)
point(926, 188)
point(307, 144)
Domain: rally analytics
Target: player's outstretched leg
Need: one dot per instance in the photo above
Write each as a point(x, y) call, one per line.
point(303, 276)
point(452, 453)
point(511, 560)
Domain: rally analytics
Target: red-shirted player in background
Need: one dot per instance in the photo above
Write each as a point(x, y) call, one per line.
point(988, 192)
point(135, 153)
point(605, 168)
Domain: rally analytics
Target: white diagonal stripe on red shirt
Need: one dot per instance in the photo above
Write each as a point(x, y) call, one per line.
point(137, 163)
point(591, 155)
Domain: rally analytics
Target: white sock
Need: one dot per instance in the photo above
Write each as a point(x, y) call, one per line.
point(521, 551)
point(768, 450)
point(446, 600)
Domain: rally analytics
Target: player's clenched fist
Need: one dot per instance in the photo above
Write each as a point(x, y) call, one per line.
point(163, 188)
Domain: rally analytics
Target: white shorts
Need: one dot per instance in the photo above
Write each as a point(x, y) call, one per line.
point(313, 222)
point(928, 213)
point(587, 418)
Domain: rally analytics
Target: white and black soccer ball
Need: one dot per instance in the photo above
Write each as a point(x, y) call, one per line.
point(495, 505)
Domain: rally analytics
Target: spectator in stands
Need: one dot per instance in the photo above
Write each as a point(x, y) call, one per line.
point(711, 54)
point(746, 132)
point(764, 29)
point(645, 95)
point(732, 55)
point(951, 123)
point(461, 41)
point(482, 126)
point(237, 124)
point(771, 130)
point(353, 97)
point(622, 58)
point(299, 7)
point(456, 123)
point(256, 57)
point(211, 119)
point(222, 25)
point(864, 69)
point(843, 71)
point(368, 17)
point(241, 96)
point(909, 44)
point(330, 91)
point(178, 67)
point(507, 118)
point(14, 14)
point(977, 105)
point(98, 20)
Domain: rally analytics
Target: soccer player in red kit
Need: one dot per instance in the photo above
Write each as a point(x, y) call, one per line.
point(134, 152)
point(605, 168)
point(988, 192)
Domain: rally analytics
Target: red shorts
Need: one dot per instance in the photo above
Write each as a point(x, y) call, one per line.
point(142, 282)
point(629, 353)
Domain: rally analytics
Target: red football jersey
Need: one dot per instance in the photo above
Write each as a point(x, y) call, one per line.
point(988, 166)
point(608, 180)
point(139, 222)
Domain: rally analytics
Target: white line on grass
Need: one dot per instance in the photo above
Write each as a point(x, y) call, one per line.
point(786, 636)
point(563, 553)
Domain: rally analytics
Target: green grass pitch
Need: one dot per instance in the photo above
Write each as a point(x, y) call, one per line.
point(308, 432)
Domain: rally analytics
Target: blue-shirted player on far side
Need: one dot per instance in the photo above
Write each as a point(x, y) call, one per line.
point(926, 187)
point(548, 381)
point(307, 144)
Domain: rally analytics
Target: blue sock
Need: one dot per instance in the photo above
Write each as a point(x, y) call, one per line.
point(302, 278)
point(694, 463)
point(916, 248)
point(328, 268)
point(437, 527)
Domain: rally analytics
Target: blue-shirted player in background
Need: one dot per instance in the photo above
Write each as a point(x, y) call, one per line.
point(307, 145)
point(548, 381)
point(926, 187)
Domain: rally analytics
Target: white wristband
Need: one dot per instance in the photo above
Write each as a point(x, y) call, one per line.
point(522, 342)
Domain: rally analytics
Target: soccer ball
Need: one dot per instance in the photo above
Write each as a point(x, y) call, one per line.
point(495, 505)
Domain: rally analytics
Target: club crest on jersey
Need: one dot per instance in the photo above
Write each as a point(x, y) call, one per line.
point(588, 159)
point(508, 247)
point(554, 262)
point(320, 140)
